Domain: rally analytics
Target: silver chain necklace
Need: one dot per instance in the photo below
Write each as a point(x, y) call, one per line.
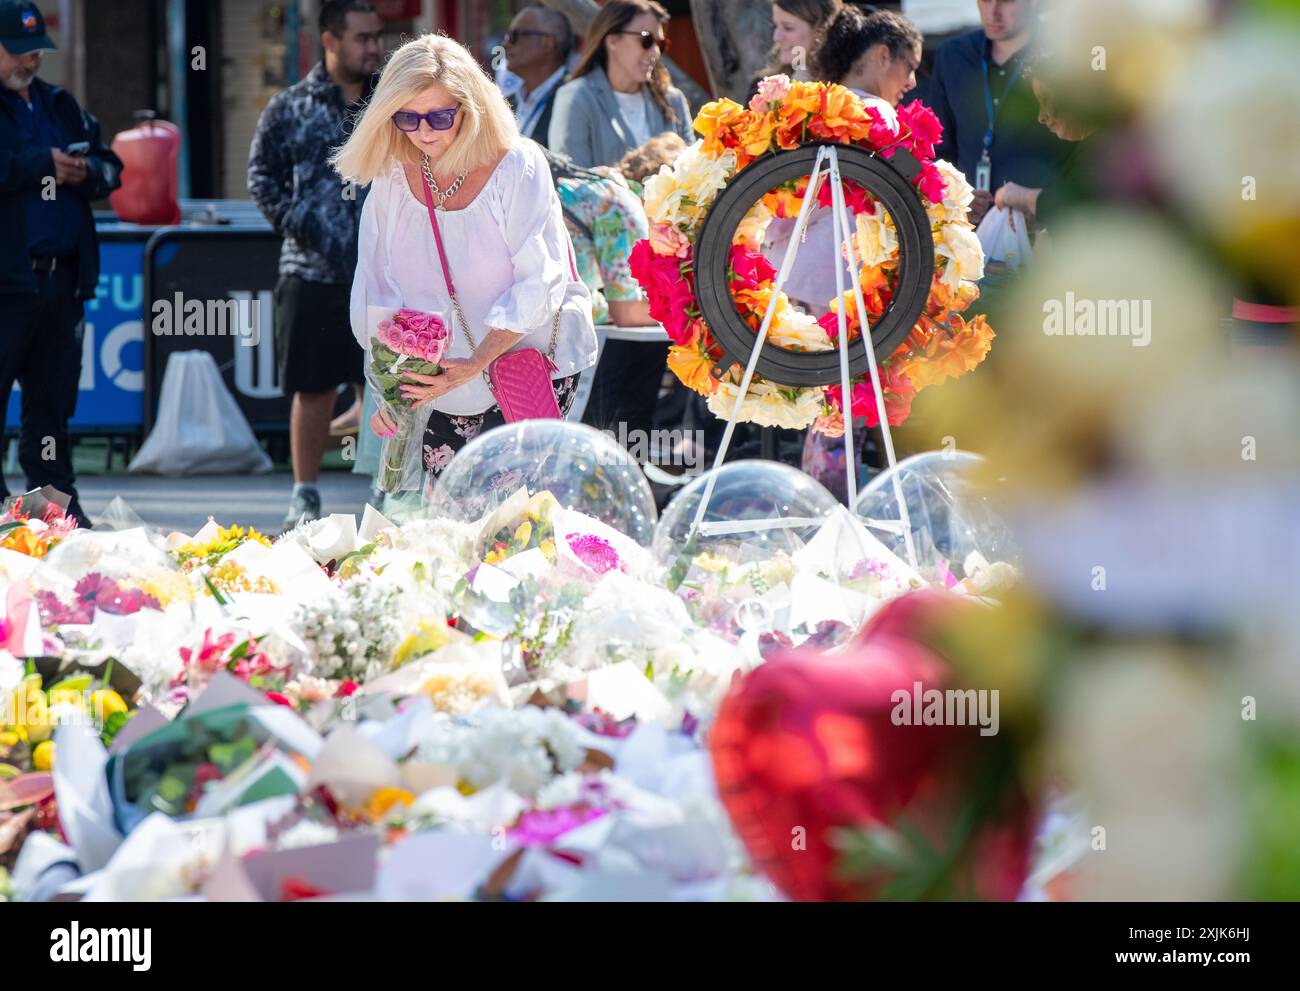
point(433, 185)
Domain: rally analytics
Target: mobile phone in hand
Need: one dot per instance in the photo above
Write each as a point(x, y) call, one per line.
point(78, 149)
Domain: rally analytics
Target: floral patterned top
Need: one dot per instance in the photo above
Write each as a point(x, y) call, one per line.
point(614, 220)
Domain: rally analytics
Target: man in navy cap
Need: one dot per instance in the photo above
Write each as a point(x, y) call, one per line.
point(53, 164)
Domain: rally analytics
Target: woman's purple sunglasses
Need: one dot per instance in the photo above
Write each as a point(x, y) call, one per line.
point(439, 120)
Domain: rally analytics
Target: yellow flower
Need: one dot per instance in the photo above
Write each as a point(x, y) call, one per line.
point(755, 134)
point(548, 548)
point(715, 122)
point(43, 756)
point(430, 636)
point(523, 533)
point(105, 702)
point(706, 561)
point(384, 799)
point(25, 540)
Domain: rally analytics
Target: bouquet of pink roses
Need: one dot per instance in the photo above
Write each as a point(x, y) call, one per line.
point(408, 341)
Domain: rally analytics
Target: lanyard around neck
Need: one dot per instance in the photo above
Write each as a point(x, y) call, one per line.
point(988, 97)
point(539, 103)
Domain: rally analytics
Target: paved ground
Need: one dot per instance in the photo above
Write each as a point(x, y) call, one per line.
point(186, 503)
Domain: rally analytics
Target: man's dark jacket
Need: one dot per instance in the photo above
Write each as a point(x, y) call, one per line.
point(23, 170)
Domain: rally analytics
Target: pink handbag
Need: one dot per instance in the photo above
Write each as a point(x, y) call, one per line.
point(520, 380)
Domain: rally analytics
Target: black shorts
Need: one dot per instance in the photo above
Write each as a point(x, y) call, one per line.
point(313, 336)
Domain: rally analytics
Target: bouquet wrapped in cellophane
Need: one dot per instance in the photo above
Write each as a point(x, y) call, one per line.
point(402, 341)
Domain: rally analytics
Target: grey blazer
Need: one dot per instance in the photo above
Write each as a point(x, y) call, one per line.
point(587, 126)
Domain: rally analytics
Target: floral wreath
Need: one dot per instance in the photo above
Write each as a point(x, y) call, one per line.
point(782, 116)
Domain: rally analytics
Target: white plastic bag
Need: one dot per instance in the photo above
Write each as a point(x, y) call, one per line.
point(199, 430)
point(1004, 235)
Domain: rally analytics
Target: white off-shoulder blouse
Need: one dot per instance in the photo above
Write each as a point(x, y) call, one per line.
point(509, 255)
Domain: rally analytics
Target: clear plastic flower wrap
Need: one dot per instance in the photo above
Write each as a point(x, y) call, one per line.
point(774, 556)
point(401, 341)
point(960, 541)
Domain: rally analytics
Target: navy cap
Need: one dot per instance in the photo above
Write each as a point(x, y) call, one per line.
point(22, 28)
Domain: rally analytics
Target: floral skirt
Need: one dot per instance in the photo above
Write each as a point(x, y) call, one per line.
point(446, 434)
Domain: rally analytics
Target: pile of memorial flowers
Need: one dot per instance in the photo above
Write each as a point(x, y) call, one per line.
point(515, 707)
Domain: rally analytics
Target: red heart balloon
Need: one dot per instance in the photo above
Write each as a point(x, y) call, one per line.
point(807, 743)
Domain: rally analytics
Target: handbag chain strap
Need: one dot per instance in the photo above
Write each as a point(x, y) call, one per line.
point(451, 287)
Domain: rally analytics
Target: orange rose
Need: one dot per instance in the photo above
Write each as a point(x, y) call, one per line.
point(692, 364)
point(803, 100)
point(752, 304)
point(716, 122)
point(755, 135)
point(840, 116)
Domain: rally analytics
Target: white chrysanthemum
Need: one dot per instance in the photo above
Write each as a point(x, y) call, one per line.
point(682, 193)
point(768, 405)
point(524, 748)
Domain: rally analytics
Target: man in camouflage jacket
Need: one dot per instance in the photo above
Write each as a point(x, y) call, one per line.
point(317, 213)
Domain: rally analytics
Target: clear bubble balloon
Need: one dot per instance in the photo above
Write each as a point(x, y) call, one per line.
point(554, 507)
point(585, 470)
point(774, 555)
point(957, 536)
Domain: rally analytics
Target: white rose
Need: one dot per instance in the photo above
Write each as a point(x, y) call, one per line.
point(875, 241)
point(959, 244)
point(957, 197)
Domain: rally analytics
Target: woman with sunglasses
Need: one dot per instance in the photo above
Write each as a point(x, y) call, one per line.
point(619, 96)
point(436, 130)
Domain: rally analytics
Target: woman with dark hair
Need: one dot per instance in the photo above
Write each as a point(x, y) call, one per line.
point(875, 56)
point(619, 96)
point(872, 54)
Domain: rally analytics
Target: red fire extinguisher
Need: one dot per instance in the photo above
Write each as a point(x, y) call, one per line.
point(148, 152)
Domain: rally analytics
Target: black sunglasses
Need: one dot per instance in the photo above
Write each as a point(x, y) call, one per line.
point(514, 34)
point(649, 39)
point(439, 120)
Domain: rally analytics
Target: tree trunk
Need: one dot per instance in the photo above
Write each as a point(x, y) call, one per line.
point(580, 13)
point(735, 38)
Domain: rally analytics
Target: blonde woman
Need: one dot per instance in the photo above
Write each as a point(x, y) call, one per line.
point(436, 121)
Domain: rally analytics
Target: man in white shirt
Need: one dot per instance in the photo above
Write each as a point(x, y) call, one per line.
point(537, 48)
